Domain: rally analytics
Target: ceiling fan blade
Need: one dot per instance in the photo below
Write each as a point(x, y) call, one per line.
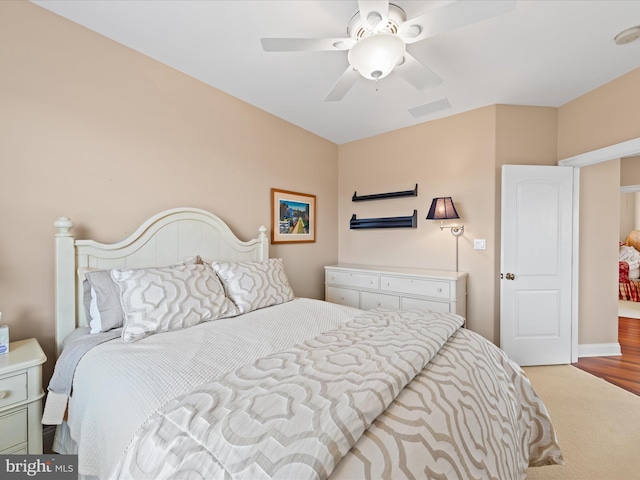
point(417, 74)
point(450, 17)
point(373, 12)
point(343, 85)
point(305, 44)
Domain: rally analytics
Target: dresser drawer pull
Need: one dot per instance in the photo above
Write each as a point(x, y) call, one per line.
point(4, 393)
point(439, 290)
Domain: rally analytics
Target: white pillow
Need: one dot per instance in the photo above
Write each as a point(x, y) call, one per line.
point(101, 300)
point(169, 298)
point(253, 285)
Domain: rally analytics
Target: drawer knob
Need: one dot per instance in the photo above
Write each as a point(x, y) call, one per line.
point(439, 290)
point(4, 393)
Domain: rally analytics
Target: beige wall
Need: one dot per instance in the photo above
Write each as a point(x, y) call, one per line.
point(99, 133)
point(599, 230)
point(630, 171)
point(628, 218)
point(459, 156)
point(449, 157)
point(629, 202)
point(606, 116)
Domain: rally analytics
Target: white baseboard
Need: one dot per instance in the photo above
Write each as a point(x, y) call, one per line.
point(599, 350)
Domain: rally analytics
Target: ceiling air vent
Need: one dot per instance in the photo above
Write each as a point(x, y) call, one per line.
point(429, 108)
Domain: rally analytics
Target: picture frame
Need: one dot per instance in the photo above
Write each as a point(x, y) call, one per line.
point(293, 217)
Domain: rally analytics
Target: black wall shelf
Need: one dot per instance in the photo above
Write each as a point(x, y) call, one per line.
point(410, 221)
point(381, 196)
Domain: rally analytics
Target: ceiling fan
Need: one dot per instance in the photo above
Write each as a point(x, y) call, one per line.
point(379, 33)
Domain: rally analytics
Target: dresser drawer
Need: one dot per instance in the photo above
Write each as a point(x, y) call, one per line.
point(415, 286)
point(378, 300)
point(425, 305)
point(14, 428)
point(360, 280)
point(13, 389)
point(343, 296)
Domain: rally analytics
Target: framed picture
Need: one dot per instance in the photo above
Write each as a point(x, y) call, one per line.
point(293, 217)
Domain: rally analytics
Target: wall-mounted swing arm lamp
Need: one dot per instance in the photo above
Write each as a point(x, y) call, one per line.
point(442, 208)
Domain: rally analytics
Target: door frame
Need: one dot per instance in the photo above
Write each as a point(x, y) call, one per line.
point(612, 152)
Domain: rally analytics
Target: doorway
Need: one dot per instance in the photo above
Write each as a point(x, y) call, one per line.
point(593, 324)
point(629, 221)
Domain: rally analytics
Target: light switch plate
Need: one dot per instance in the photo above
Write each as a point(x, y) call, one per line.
point(479, 244)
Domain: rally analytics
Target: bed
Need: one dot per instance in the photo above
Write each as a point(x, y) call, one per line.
point(628, 273)
point(238, 378)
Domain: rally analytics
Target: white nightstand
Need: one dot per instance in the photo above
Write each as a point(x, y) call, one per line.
point(21, 398)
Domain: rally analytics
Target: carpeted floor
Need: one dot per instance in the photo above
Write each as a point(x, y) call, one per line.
point(597, 425)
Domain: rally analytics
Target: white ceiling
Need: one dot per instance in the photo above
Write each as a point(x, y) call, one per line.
point(543, 52)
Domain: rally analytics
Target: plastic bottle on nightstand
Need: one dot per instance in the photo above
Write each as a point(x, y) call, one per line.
point(4, 337)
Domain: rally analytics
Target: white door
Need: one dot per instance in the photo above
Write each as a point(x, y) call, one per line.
point(535, 305)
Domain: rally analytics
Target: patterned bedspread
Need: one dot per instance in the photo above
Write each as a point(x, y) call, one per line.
point(627, 289)
point(387, 395)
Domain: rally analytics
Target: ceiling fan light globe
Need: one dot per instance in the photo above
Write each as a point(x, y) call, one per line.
point(375, 56)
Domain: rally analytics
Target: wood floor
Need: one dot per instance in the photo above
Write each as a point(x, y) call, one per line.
point(623, 371)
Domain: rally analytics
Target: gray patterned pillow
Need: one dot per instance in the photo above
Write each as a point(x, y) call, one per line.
point(101, 297)
point(253, 285)
point(169, 298)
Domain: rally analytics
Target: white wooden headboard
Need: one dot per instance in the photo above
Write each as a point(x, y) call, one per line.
point(167, 238)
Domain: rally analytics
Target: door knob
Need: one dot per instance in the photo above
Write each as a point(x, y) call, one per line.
point(510, 276)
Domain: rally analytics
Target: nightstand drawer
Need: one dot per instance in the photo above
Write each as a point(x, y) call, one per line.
point(427, 288)
point(14, 429)
point(378, 300)
point(21, 450)
point(13, 389)
point(360, 280)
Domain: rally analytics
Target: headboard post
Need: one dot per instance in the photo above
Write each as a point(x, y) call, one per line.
point(264, 243)
point(65, 281)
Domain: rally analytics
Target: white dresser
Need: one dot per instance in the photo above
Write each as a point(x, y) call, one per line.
point(21, 398)
point(367, 287)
